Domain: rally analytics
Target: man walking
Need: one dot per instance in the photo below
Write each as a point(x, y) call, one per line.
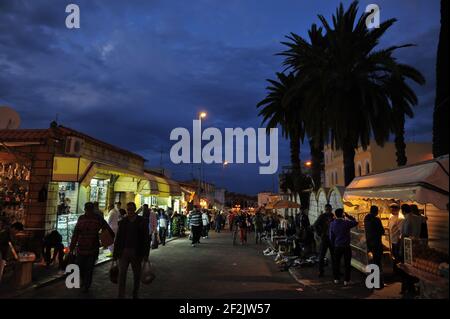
point(132, 246)
point(374, 232)
point(163, 223)
point(259, 226)
point(340, 240)
point(113, 220)
point(195, 222)
point(205, 224)
point(85, 242)
point(218, 222)
point(322, 226)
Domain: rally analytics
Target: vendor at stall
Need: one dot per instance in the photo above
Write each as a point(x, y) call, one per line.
point(395, 227)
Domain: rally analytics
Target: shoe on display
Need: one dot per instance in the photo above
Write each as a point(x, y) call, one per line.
point(346, 283)
point(336, 281)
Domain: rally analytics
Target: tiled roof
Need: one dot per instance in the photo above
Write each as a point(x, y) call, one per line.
point(24, 135)
point(35, 135)
point(71, 132)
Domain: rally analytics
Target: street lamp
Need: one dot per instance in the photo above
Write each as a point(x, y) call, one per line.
point(201, 115)
point(308, 163)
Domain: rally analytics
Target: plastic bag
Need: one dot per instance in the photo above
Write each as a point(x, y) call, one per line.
point(114, 273)
point(147, 274)
point(155, 241)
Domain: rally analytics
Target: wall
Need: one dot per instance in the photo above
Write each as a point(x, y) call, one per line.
point(437, 227)
point(333, 165)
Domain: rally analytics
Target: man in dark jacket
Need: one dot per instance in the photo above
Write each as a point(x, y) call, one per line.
point(85, 242)
point(321, 226)
point(374, 231)
point(132, 246)
point(53, 240)
point(340, 240)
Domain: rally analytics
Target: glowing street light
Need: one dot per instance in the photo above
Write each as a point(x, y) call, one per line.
point(201, 115)
point(225, 163)
point(308, 163)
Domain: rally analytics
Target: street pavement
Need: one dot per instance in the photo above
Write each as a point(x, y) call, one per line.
point(214, 269)
point(217, 269)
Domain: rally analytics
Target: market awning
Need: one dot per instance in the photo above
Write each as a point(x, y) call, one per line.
point(123, 185)
point(162, 186)
point(424, 183)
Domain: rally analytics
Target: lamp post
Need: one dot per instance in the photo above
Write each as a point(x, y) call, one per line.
point(201, 115)
point(225, 164)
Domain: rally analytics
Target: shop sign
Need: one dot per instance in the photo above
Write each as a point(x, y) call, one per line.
point(125, 186)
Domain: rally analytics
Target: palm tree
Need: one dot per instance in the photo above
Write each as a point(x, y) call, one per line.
point(441, 108)
point(303, 58)
point(276, 112)
point(402, 98)
point(281, 109)
point(346, 79)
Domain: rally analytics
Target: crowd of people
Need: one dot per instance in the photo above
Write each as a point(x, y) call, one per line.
point(332, 232)
point(135, 231)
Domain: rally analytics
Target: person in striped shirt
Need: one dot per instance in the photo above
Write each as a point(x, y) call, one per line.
point(195, 222)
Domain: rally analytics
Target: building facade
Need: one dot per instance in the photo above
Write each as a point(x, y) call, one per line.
point(372, 160)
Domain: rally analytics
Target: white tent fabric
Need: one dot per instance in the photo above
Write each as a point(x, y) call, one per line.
point(426, 182)
point(313, 211)
point(335, 197)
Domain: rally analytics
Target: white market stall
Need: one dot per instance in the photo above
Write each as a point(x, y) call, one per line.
point(322, 199)
point(424, 184)
point(313, 211)
point(335, 196)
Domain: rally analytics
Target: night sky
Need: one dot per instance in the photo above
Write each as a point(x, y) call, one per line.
point(137, 69)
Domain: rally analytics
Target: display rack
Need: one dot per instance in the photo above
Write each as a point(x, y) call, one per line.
point(65, 226)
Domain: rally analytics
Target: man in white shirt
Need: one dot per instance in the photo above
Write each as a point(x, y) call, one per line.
point(113, 221)
point(206, 223)
point(395, 225)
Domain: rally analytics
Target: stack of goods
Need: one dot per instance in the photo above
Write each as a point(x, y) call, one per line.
point(430, 260)
point(14, 184)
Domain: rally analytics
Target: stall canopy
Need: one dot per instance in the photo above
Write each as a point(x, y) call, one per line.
point(425, 183)
point(161, 186)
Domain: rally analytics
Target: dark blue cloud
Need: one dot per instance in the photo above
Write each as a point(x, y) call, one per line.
point(137, 69)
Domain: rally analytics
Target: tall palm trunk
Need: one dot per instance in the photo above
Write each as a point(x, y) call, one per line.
point(400, 145)
point(295, 152)
point(441, 108)
point(317, 159)
point(349, 162)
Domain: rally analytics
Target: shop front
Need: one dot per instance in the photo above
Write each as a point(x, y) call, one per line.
point(79, 180)
point(425, 185)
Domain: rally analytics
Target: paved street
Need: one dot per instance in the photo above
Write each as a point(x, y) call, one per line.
point(215, 269)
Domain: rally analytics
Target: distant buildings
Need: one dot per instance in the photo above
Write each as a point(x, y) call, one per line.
point(374, 159)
